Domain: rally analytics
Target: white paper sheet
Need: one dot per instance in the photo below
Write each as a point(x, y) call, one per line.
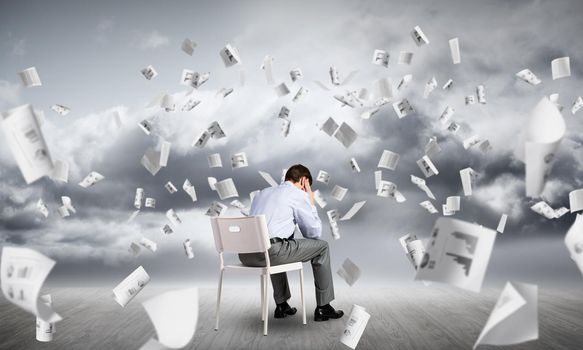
point(404, 81)
point(429, 87)
point(577, 105)
point(139, 198)
point(91, 179)
point(354, 165)
point(30, 77)
point(468, 177)
point(187, 244)
point(338, 192)
point(301, 94)
point(148, 244)
point(349, 272)
point(576, 200)
point(502, 223)
point(149, 72)
point(427, 167)
point(403, 108)
point(175, 316)
point(60, 171)
point(60, 109)
point(127, 289)
point(268, 178)
point(23, 272)
point(458, 254)
point(388, 189)
point(346, 135)
point(389, 160)
point(432, 147)
point(405, 57)
point(454, 48)
point(355, 326)
point(330, 126)
point(230, 55)
point(561, 67)
point(188, 46)
point(226, 189)
point(514, 318)
point(419, 37)
point(239, 160)
point(333, 221)
point(45, 330)
point(380, 58)
point(419, 182)
point(538, 146)
point(323, 177)
point(150, 202)
point(27, 143)
point(413, 248)
point(216, 209)
point(295, 74)
point(281, 90)
point(528, 76)
point(42, 208)
point(427, 205)
point(453, 203)
point(353, 210)
point(189, 189)
point(319, 199)
point(173, 217)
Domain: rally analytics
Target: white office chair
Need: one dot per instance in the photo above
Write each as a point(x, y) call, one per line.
point(249, 235)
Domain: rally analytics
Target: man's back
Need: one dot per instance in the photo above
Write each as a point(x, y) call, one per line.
point(285, 206)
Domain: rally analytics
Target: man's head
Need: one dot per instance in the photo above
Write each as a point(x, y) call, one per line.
point(296, 172)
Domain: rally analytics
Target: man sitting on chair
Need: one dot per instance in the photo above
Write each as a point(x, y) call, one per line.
point(284, 206)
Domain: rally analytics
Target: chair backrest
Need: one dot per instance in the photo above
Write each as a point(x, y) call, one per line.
point(241, 234)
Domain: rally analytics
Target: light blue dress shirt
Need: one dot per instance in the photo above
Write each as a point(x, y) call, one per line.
point(285, 206)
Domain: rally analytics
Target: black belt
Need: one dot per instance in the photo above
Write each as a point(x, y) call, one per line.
point(277, 239)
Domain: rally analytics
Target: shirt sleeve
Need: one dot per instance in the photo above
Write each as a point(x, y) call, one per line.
point(306, 216)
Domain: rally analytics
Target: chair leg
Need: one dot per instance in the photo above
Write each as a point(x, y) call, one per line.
point(302, 295)
point(219, 291)
point(265, 305)
point(262, 298)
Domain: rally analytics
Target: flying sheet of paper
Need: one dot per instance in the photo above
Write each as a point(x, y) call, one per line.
point(139, 198)
point(27, 143)
point(190, 104)
point(23, 272)
point(174, 315)
point(330, 126)
point(60, 171)
point(528, 76)
point(301, 94)
point(448, 84)
point(427, 167)
point(45, 330)
point(380, 58)
point(453, 203)
point(419, 182)
point(577, 104)
point(458, 254)
point(334, 76)
point(226, 189)
point(470, 100)
point(164, 153)
point(378, 177)
point(542, 208)
point(413, 248)
point(42, 208)
point(60, 109)
point(454, 48)
point(212, 183)
point(349, 272)
point(189, 189)
point(429, 87)
point(338, 192)
point(446, 115)
point(284, 113)
point(355, 326)
point(30, 77)
point(333, 221)
point(404, 82)
point(127, 289)
point(151, 161)
point(150, 202)
point(239, 160)
point(216, 131)
point(167, 229)
point(561, 67)
point(149, 72)
point(319, 199)
point(481, 94)
point(471, 141)
point(574, 241)
point(188, 46)
point(295, 74)
point(201, 141)
point(514, 318)
point(468, 177)
point(576, 200)
point(384, 88)
point(432, 147)
point(345, 134)
point(323, 176)
point(267, 67)
point(281, 90)
point(148, 244)
point(388, 189)
point(353, 210)
point(230, 55)
point(539, 143)
point(403, 108)
point(502, 223)
point(354, 165)
point(188, 249)
point(405, 57)
point(268, 178)
point(68, 204)
point(419, 37)
point(389, 160)
point(447, 211)
point(173, 217)
point(427, 205)
point(91, 179)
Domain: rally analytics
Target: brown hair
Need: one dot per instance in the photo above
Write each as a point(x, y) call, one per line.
point(296, 172)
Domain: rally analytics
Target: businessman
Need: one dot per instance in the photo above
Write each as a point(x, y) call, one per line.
point(284, 206)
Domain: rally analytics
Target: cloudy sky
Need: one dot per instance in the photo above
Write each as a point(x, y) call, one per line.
point(89, 56)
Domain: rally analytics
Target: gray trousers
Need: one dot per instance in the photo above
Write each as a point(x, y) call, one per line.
point(314, 250)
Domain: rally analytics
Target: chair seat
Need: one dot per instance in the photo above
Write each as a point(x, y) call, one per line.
point(272, 270)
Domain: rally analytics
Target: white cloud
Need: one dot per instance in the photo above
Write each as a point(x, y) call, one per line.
point(503, 195)
point(151, 40)
point(9, 94)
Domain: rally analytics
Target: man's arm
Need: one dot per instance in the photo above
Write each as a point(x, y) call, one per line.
point(306, 214)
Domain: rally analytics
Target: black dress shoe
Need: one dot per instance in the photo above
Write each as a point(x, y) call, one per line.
point(326, 312)
point(283, 309)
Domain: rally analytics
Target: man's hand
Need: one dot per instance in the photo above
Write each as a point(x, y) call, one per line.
point(305, 184)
